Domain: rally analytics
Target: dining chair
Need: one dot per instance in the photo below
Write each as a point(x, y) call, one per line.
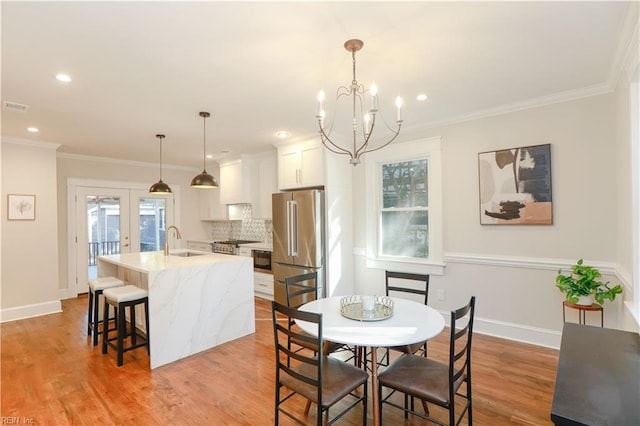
point(434, 381)
point(300, 289)
point(315, 376)
point(412, 284)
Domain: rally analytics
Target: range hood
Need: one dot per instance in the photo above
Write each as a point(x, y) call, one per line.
point(235, 211)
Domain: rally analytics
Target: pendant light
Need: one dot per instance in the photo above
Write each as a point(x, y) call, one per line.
point(204, 179)
point(160, 187)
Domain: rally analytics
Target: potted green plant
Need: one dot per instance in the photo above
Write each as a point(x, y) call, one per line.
point(582, 285)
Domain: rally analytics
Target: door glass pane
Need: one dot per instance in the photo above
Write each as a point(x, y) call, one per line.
point(103, 228)
point(152, 223)
point(405, 233)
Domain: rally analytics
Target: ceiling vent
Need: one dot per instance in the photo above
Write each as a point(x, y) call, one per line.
point(14, 107)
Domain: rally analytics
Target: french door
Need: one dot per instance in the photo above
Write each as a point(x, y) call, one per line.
point(115, 221)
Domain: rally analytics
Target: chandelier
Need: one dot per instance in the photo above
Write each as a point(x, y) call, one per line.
point(360, 120)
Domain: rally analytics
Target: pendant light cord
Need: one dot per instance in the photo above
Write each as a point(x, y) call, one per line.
point(160, 137)
point(160, 158)
point(204, 143)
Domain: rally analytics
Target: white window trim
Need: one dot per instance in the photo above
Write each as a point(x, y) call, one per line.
point(429, 148)
point(633, 305)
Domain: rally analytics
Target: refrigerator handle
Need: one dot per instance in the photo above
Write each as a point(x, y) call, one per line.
point(293, 228)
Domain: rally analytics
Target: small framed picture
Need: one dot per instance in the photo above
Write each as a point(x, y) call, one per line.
point(21, 207)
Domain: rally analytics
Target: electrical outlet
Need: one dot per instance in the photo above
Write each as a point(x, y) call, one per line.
point(440, 294)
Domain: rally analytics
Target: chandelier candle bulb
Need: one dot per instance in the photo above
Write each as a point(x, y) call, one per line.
point(320, 100)
point(399, 105)
point(374, 97)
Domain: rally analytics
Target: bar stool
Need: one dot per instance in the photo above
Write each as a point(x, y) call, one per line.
point(120, 298)
point(96, 287)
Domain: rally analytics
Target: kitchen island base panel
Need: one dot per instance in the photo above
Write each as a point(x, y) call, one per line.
point(213, 306)
point(195, 303)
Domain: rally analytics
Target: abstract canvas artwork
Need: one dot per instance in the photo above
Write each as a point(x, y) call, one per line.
point(515, 186)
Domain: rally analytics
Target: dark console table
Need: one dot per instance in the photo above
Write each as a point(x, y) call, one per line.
point(598, 377)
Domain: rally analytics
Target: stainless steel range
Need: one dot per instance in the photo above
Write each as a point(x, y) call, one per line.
point(228, 247)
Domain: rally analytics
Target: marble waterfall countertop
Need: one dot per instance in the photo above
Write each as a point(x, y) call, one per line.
point(157, 261)
point(196, 302)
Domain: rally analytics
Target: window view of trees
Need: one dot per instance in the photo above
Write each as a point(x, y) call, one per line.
point(404, 215)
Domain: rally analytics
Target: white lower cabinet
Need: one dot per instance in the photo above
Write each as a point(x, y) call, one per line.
point(263, 285)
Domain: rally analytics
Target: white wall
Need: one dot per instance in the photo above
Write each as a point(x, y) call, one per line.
point(511, 269)
point(85, 167)
point(29, 248)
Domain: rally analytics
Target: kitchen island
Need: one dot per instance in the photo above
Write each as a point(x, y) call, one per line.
point(197, 300)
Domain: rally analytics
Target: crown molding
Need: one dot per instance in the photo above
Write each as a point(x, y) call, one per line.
point(122, 162)
point(566, 96)
point(29, 142)
point(626, 55)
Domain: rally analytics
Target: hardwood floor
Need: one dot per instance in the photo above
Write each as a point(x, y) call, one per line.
point(52, 375)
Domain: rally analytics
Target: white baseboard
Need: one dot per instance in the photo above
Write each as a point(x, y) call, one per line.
point(65, 293)
point(29, 311)
point(510, 331)
point(518, 333)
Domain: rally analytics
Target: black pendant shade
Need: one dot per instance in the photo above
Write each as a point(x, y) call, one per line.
point(204, 180)
point(160, 187)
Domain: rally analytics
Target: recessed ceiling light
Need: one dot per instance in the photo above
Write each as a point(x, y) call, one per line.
point(63, 77)
point(282, 134)
point(33, 129)
point(421, 97)
point(209, 156)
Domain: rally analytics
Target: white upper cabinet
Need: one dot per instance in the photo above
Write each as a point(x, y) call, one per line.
point(251, 179)
point(265, 184)
point(235, 182)
point(300, 165)
point(210, 206)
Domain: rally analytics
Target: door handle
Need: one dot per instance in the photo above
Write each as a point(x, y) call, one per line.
point(294, 228)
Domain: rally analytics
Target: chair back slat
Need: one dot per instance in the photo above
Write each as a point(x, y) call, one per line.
point(404, 286)
point(301, 289)
point(287, 359)
point(460, 344)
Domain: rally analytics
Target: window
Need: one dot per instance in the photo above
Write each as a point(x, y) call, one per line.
point(404, 207)
point(404, 212)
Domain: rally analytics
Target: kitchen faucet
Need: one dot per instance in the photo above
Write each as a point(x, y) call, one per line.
point(166, 238)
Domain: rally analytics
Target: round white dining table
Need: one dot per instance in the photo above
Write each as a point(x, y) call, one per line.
point(411, 322)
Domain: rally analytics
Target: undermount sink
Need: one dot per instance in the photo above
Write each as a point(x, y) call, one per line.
point(187, 254)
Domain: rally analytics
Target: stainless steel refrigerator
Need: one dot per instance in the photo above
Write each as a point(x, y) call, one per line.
point(298, 238)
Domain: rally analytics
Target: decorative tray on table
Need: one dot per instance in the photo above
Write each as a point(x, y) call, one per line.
point(366, 308)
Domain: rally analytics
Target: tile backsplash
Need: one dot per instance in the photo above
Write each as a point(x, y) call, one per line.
point(246, 228)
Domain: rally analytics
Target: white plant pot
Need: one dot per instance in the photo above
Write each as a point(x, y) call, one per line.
point(585, 300)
